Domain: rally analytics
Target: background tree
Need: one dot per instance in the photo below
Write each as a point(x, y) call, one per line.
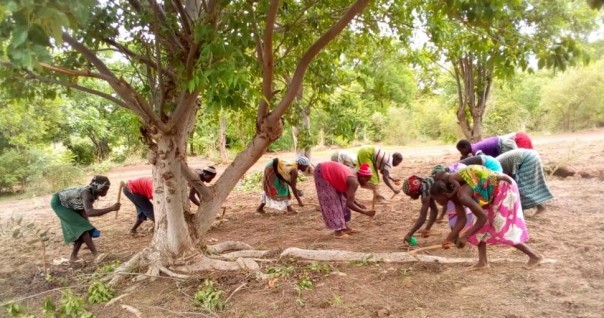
point(488, 40)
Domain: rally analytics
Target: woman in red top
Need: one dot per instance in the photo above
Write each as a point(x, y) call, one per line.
point(140, 192)
point(336, 186)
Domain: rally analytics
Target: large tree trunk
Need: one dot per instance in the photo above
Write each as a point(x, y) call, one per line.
point(474, 80)
point(170, 197)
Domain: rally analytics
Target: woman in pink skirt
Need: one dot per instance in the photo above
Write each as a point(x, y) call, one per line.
point(495, 202)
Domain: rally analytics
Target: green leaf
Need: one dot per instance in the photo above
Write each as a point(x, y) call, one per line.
point(19, 37)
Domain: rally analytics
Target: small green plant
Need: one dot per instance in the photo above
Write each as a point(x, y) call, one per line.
point(108, 268)
point(99, 292)
point(304, 283)
point(17, 310)
point(48, 307)
point(27, 235)
point(209, 297)
point(73, 306)
point(319, 267)
point(283, 271)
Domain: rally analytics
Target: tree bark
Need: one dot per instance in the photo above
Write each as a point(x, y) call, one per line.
point(474, 80)
point(209, 209)
point(170, 196)
point(224, 156)
point(306, 150)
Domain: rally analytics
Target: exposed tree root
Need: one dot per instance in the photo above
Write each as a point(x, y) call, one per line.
point(246, 259)
point(125, 268)
point(228, 246)
point(395, 257)
point(172, 274)
point(244, 253)
point(133, 310)
point(205, 263)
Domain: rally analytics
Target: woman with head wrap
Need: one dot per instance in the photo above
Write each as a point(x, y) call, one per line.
point(380, 162)
point(336, 187)
point(73, 206)
point(494, 201)
point(521, 139)
point(206, 175)
point(419, 187)
point(279, 176)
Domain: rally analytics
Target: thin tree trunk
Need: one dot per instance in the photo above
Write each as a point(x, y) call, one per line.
point(306, 151)
point(209, 208)
point(224, 156)
point(295, 132)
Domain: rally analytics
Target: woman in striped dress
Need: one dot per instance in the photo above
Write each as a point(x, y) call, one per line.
point(524, 165)
point(382, 162)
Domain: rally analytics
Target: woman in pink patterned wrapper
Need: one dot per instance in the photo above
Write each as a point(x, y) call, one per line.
point(495, 202)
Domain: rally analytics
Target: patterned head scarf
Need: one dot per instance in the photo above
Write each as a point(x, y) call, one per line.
point(98, 183)
point(412, 186)
point(439, 168)
point(303, 161)
point(364, 170)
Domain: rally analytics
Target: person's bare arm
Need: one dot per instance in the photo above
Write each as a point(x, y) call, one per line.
point(505, 178)
point(352, 186)
point(458, 226)
point(293, 176)
point(91, 211)
point(432, 215)
point(388, 180)
point(423, 212)
point(465, 198)
point(193, 196)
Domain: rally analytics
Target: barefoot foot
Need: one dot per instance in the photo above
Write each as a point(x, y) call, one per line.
point(351, 231)
point(534, 261)
point(340, 234)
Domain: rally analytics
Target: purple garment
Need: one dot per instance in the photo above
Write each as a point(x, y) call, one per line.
point(489, 146)
point(333, 205)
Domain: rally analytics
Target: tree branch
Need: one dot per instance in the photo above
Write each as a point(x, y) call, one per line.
point(185, 19)
point(268, 60)
point(325, 39)
point(81, 88)
point(124, 50)
point(122, 88)
point(77, 73)
point(157, 10)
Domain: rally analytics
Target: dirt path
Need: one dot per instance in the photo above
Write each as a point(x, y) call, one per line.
point(570, 232)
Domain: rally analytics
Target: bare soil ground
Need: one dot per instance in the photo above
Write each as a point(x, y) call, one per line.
point(570, 231)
